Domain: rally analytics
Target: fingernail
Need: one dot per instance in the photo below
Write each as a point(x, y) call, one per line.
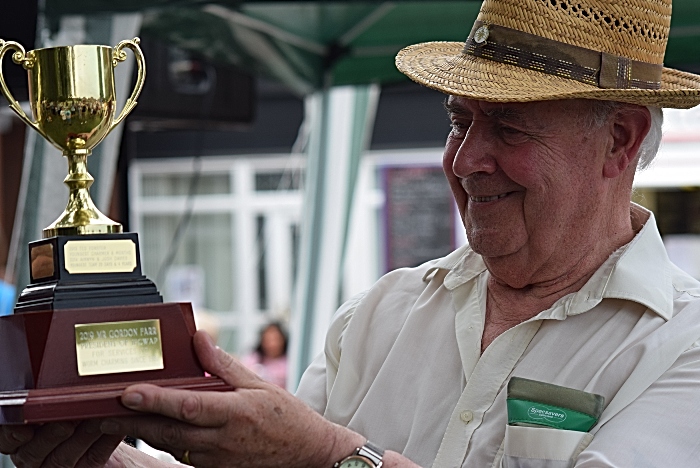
point(110, 426)
point(21, 437)
point(210, 341)
point(132, 399)
point(91, 427)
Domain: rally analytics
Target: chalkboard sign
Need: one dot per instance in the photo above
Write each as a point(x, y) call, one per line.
point(418, 215)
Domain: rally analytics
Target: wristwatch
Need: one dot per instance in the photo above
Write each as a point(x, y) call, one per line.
point(367, 456)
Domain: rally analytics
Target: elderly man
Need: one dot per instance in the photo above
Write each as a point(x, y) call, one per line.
point(554, 105)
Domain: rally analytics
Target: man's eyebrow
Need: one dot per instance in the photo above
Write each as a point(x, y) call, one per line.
point(503, 113)
point(506, 114)
point(453, 107)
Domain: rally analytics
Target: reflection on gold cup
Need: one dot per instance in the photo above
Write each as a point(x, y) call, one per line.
point(71, 93)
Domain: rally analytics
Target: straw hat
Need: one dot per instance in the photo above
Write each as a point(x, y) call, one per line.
point(535, 50)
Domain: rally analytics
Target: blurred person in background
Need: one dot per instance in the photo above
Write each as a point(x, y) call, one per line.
point(269, 358)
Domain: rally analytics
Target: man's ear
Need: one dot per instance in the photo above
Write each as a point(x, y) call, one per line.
point(629, 125)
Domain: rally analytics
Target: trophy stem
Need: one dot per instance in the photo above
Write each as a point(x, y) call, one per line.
point(81, 216)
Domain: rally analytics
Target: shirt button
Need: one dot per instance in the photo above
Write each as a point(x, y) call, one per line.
point(466, 416)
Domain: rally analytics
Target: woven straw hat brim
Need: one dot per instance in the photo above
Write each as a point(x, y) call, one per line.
point(442, 66)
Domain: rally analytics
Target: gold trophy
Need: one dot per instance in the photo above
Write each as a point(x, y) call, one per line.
point(89, 323)
point(71, 92)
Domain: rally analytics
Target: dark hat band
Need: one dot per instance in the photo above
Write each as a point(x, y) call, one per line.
point(537, 53)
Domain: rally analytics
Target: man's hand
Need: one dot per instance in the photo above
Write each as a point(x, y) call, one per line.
point(256, 425)
point(79, 444)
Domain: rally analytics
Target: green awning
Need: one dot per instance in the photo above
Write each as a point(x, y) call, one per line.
point(309, 44)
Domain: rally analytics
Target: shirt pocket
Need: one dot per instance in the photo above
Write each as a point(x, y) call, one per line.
point(542, 447)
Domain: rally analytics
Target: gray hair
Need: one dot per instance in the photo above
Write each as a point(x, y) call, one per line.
point(601, 111)
point(650, 146)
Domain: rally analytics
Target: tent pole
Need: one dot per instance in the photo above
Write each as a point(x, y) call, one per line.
point(339, 135)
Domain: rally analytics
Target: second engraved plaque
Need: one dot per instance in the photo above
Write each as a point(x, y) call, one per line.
point(100, 256)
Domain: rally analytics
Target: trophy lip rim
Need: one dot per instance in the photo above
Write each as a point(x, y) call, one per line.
point(74, 46)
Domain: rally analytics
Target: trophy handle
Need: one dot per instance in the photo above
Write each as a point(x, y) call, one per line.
point(120, 56)
point(20, 58)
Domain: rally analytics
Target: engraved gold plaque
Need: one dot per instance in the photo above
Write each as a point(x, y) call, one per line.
point(100, 256)
point(114, 347)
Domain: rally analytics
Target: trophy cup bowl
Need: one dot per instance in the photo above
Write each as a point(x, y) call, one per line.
point(89, 323)
point(73, 101)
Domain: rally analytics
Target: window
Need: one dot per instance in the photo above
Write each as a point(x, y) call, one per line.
point(221, 233)
point(167, 185)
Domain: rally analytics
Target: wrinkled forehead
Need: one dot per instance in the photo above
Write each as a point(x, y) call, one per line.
point(522, 112)
point(519, 106)
point(458, 104)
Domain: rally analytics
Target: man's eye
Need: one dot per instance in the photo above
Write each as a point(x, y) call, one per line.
point(510, 131)
point(512, 135)
point(459, 128)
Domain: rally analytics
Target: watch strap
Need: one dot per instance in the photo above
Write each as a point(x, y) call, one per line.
point(368, 451)
point(371, 451)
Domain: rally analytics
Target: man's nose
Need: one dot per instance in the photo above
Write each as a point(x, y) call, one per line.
point(475, 153)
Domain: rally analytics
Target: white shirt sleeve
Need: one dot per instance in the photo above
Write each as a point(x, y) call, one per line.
point(319, 377)
point(312, 387)
point(650, 431)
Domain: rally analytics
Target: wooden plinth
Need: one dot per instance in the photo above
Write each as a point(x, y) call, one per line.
point(39, 379)
point(84, 402)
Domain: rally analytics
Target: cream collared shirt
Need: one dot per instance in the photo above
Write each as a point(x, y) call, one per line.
point(402, 362)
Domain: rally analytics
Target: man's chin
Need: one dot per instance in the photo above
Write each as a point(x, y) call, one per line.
point(492, 254)
point(490, 246)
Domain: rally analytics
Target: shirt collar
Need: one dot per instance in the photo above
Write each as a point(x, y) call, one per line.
point(626, 274)
point(639, 271)
point(462, 265)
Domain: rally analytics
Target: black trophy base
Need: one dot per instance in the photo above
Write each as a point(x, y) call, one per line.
point(53, 296)
point(98, 270)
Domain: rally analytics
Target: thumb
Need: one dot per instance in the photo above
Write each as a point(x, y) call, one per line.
point(221, 364)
